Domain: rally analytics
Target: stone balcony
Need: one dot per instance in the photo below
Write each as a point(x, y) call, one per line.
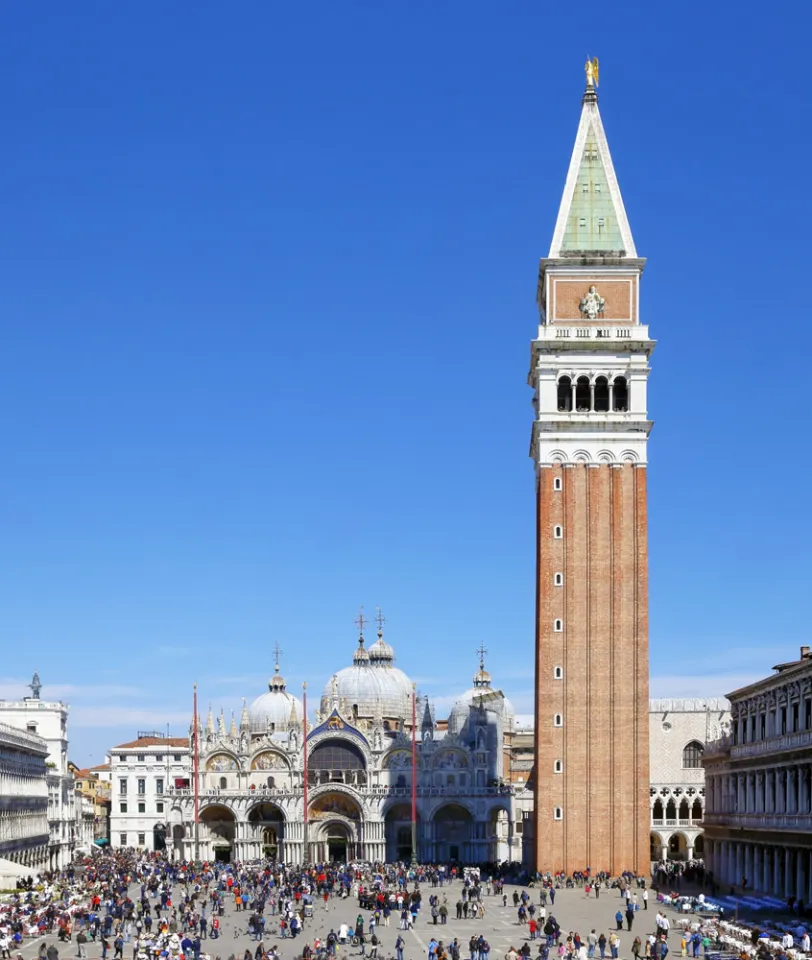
point(779, 744)
point(506, 790)
point(596, 331)
point(798, 822)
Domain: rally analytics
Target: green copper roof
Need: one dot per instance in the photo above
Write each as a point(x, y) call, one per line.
point(592, 223)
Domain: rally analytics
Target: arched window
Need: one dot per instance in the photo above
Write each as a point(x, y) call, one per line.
point(564, 395)
point(558, 813)
point(692, 754)
point(621, 394)
point(671, 810)
point(223, 783)
point(558, 626)
point(558, 579)
point(696, 810)
point(271, 782)
point(558, 720)
point(557, 485)
point(558, 532)
point(558, 673)
point(602, 395)
point(582, 398)
point(683, 810)
point(336, 755)
point(657, 811)
point(558, 766)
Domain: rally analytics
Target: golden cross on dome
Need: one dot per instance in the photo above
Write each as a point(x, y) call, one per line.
point(380, 619)
point(481, 651)
point(361, 621)
point(277, 650)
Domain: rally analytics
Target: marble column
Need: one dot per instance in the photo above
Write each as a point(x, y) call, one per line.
point(787, 872)
point(777, 875)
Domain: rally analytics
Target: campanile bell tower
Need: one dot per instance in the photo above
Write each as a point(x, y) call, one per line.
point(589, 368)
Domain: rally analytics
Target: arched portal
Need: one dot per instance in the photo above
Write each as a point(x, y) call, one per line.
point(398, 832)
point(677, 847)
point(335, 828)
point(159, 836)
point(655, 847)
point(500, 838)
point(267, 828)
point(218, 829)
point(699, 846)
point(453, 833)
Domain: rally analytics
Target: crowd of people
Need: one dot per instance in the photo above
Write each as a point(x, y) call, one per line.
point(137, 906)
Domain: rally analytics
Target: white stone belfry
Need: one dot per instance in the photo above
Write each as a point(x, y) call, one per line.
point(589, 362)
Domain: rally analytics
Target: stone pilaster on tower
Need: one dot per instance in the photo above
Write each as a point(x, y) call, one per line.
point(589, 371)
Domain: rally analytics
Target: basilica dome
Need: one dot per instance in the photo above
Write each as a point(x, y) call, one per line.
point(271, 712)
point(372, 686)
point(481, 695)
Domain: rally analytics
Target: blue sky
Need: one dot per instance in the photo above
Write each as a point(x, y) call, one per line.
point(268, 278)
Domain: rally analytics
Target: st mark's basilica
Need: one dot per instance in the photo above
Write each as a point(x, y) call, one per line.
point(359, 774)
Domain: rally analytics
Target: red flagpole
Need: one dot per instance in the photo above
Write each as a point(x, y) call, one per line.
point(196, 771)
point(414, 775)
point(306, 852)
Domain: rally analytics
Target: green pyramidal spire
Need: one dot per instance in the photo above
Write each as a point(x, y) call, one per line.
point(591, 218)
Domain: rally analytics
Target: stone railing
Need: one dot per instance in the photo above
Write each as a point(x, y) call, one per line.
point(785, 741)
point(506, 790)
point(558, 331)
point(14, 737)
point(800, 822)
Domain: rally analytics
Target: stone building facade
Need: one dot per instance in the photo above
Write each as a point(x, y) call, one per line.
point(49, 719)
point(95, 793)
point(359, 775)
point(24, 834)
point(679, 731)
point(589, 370)
point(758, 782)
point(143, 773)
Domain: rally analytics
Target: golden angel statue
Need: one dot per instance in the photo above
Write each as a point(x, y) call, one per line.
point(591, 68)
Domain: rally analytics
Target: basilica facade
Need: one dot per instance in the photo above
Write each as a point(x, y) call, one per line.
point(358, 780)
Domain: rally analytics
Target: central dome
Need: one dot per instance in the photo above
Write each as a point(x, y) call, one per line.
point(372, 686)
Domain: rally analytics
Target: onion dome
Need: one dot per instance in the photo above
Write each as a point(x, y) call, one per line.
point(272, 711)
point(481, 696)
point(361, 656)
point(380, 652)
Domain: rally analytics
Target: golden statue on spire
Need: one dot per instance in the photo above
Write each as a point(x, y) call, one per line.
point(591, 69)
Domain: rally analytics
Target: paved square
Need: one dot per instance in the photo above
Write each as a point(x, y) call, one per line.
point(573, 910)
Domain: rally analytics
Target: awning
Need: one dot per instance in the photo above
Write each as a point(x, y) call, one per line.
point(102, 842)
